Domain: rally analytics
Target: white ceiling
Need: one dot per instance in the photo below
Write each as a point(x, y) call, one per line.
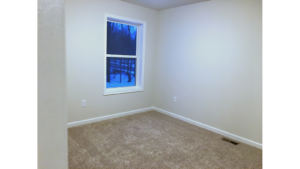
point(162, 4)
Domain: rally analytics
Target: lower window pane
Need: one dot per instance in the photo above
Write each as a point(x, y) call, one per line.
point(121, 72)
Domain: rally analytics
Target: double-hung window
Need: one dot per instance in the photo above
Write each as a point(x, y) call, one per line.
point(124, 55)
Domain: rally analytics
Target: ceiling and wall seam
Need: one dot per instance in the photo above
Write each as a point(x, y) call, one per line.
point(160, 5)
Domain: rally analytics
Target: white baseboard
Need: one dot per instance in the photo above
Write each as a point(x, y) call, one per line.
point(97, 119)
point(213, 129)
point(221, 132)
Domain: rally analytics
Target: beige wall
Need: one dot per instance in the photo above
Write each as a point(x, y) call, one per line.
point(209, 55)
point(84, 21)
point(52, 114)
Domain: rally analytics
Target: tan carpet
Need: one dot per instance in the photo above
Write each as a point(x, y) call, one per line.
point(154, 140)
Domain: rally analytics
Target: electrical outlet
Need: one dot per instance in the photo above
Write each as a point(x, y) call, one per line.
point(83, 103)
point(175, 99)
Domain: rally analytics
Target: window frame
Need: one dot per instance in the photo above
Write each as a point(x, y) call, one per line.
point(140, 54)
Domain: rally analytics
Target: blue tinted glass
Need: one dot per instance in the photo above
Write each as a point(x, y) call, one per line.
point(121, 39)
point(120, 72)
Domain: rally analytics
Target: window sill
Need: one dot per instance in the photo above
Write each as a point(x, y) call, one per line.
point(122, 90)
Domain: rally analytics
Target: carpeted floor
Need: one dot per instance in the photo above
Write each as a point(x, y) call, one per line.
point(154, 140)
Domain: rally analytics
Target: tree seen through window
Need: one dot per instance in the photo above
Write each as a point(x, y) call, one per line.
point(121, 40)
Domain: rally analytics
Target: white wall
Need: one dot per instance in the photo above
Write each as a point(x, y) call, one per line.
point(52, 114)
point(85, 36)
point(209, 55)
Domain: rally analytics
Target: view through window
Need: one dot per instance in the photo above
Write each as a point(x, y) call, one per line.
point(121, 55)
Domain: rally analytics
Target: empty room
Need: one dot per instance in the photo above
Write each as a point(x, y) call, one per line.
point(161, 84)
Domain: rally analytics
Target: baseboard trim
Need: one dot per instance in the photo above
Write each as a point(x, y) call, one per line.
point(97, 119)
point(213, 129)
point(210, 128)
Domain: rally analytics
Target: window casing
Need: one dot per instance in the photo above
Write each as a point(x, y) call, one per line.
point(135, 61)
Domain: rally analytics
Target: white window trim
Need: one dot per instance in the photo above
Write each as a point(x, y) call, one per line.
point(140, 54)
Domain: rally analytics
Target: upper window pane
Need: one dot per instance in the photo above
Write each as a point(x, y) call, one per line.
point(121, 39)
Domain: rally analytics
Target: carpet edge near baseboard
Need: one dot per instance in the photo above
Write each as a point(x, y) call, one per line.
point(210, 128)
